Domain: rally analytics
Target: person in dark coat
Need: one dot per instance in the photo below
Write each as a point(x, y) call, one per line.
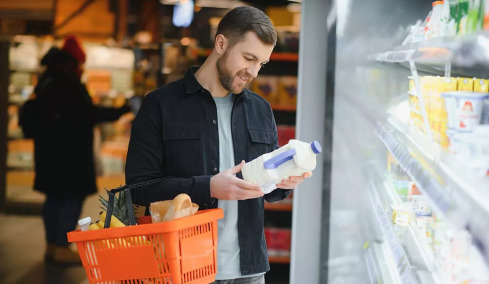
point(63, 141)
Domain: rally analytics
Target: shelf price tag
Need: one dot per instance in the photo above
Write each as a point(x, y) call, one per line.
point(399, 56)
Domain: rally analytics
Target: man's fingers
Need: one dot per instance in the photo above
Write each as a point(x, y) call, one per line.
point(236, 169)
point(247, 185)
point(307, 175)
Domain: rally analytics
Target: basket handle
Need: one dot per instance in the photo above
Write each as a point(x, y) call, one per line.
point(127, 192)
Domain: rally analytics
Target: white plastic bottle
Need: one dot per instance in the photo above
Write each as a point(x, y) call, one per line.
point(293, 159)
point(84, 223)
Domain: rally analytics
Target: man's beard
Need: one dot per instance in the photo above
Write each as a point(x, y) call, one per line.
point(225, 76)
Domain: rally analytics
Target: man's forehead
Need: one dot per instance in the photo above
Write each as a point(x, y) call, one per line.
point(252, 45)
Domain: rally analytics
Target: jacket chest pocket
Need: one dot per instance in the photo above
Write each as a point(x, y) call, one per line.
point(182, 149)
point(261, 141)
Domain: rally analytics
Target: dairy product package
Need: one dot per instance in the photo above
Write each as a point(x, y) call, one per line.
point(293, 159)
point(464, 109)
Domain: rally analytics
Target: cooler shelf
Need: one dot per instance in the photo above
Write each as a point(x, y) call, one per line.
point(399, 258)
point(465, 50)
point(278, 206)
point(279, 259)
point(467, 55)
point(459, 194)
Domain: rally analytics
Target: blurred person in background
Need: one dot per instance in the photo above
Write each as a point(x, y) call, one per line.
point(195, 130)
point(61, 121)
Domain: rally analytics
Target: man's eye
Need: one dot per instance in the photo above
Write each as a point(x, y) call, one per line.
point(248, 58)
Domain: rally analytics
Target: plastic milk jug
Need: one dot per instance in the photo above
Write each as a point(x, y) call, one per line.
point(293, 159)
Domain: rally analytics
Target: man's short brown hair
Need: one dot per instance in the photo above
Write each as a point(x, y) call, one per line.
point(237, 22)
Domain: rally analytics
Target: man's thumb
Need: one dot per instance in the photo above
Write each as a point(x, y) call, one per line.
point(236, 169)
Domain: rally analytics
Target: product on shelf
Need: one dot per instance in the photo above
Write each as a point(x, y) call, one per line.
point(424, 225)
point(421, 206)
point(287, 91)
point(464, 109)
point(285, 133)
point(451, 17)
point(278, 241)
point(401, 215)
point(451, 105)
point(398, 177)
point(267, 87)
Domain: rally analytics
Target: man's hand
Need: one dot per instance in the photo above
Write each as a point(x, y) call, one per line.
point(226, 186)
point(293, 182)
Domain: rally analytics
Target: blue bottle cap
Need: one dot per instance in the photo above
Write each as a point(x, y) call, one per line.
point(316, 147)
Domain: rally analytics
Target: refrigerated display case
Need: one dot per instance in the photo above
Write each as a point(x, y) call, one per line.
point(397, 205)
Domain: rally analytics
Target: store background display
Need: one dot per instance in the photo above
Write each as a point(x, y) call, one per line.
point(132, 48)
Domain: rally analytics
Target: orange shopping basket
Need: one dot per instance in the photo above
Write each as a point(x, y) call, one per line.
point(179, 251)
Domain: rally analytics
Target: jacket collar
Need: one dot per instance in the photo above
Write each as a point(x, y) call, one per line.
point(193, 86)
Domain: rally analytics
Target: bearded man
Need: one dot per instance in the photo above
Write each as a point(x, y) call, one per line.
point(199, 131)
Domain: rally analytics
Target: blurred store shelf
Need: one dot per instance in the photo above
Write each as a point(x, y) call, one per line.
point(457, 192)
point(399, 258)
point(467, 54)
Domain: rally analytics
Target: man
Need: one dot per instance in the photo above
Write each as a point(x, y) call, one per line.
point(193, 131)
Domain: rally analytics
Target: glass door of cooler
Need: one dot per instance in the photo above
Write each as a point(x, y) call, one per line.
point(404, 180)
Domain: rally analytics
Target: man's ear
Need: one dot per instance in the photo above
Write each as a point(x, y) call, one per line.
point(221, 44)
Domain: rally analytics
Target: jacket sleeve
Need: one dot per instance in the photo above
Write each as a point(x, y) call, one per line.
point(105, 114)
point(279, 193)
point(145, 160)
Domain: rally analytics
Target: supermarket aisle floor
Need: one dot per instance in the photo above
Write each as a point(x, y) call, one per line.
point(22, 251)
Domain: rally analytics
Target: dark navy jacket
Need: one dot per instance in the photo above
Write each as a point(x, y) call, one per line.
point(175, 135)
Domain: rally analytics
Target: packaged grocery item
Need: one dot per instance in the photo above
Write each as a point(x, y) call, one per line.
point(412, 85)
point(167, 210)
point(486, 15)
point(285, 134)
point(84, 223)
point(266, 87)
point(481, 85)
point(480, 163)
point(287, 90)
point(421, 206)
point(465, 84)
point(399, 179)
point(282, 241)
point(400, 215)
point(454, 14)
point(463, 12)
point(472, 148)
point(293, 159)
point(434, 24)
point(414, 102)
point(425, 225)
point(464, 109)
point(413, 191)
point(474, 20)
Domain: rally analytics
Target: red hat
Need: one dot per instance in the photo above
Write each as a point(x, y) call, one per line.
point(72, 46)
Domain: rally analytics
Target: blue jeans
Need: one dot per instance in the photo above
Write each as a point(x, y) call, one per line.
point(249, 280)
point(60, 216)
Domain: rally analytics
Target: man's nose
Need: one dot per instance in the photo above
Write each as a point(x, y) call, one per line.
point(254, 69)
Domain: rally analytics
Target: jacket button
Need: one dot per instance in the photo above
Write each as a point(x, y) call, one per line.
point(214, 121)
point(215, 170)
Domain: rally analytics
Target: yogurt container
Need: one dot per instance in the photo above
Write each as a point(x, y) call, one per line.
point(464, 109)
